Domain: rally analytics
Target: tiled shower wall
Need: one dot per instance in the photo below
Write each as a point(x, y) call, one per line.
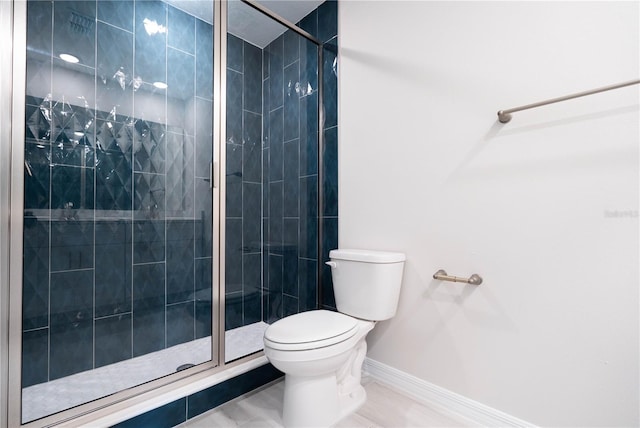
point(277, 86)
point(117, 237)
point(243, 301)
point(107, 286)
point(327, 32)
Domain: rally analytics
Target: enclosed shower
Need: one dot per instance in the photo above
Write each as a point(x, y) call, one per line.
point(176, 201)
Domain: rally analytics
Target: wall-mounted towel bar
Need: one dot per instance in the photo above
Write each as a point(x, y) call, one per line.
point(474, 279)
point(504, 116)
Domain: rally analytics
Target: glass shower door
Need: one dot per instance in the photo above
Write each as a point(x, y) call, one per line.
point(271, 175)
point(118, 238)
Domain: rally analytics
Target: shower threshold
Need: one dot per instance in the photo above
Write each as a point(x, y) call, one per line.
point(51, 397)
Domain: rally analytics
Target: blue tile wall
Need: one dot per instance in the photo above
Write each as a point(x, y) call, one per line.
point(180, 261)
point(290, 167)
point(113, 339)
point(35, 349)
point(118, 13)
point(70, 348)
point(327, 32)
point(167, 416)
point(244, 171)
point(204, 64)
point(150, 49)
point(181, 317)
point(35, 302)
point(113, 267)
point(202, 297)
point(117, 248)
point(212, 397)
point(181, 31)
point(126, 165)
point(282, 161)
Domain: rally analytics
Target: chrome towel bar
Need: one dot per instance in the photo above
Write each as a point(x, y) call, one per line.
point(474, 279)
point(504, 116)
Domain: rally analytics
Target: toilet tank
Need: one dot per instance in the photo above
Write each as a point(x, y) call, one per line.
point(366, 283)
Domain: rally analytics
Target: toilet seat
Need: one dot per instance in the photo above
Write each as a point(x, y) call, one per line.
point(310, 330)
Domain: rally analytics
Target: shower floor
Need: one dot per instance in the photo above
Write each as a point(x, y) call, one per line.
point(60, 394)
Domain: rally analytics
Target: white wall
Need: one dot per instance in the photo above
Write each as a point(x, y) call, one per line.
point(544, 208)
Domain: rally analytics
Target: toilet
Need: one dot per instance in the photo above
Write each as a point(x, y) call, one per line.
point(321, 352)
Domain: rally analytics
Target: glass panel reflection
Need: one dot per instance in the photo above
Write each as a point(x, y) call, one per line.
point(118, 208)
point(271, 176)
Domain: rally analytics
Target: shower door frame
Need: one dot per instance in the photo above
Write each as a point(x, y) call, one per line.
point(13, 19)
point(13, 24)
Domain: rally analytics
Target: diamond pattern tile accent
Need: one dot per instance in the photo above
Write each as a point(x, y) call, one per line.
point(113, 267)
point(112, 340)
point(113, 182)
point(73, 134)
point(181, 30)
point(71, 245)
point(114, 136)
point(71, 297)
point(180, 261)
point(149, 147)
point(71, 189)
point(180, 175)
point(149, 194)
point(180, 323)
point(113, 287)
point(38, 78)
point(118, 13)
point(114, 54)
point(39, 26)
point(36, 176)
point(37, 125)
point(180, 74)
point(204, 53)
point(148, 308)
point(148, 241)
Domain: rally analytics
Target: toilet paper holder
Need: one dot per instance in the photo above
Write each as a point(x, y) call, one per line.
point(442, 275)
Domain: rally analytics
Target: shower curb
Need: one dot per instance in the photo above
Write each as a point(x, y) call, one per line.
point(155, 399)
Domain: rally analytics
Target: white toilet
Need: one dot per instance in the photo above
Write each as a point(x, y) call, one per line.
point(321, 352)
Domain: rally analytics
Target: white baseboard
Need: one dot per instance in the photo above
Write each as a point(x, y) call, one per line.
point(429, 393)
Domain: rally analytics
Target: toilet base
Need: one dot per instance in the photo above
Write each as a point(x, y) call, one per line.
point(316, 402)
point(324, 399)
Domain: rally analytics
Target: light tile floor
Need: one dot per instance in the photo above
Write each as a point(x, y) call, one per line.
point(384, 407)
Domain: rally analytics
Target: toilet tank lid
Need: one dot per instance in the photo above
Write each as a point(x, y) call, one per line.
point(367, 256)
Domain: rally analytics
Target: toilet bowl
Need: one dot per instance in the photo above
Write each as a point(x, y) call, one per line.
point(321, 352)
point(321, 385)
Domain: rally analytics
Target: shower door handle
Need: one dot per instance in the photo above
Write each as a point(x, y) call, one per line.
point(213, 175)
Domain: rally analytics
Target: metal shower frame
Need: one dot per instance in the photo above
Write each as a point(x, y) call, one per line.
point(13, 20)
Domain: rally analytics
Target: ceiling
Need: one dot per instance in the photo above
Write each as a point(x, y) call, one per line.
point(249, 24)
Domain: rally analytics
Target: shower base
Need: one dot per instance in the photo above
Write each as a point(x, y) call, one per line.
point(47, 398)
